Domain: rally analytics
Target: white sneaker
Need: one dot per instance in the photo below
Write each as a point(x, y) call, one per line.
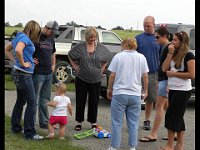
point(111, 148)
point(36, 138)
point(132, 148)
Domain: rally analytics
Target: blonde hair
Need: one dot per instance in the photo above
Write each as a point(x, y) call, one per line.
point(61, 87)
point(33, 30)
point(90, 31)
point(129, 44)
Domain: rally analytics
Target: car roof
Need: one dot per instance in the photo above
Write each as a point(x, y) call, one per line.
point(173, 25)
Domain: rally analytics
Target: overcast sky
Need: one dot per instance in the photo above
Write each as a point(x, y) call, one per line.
point(106, 13)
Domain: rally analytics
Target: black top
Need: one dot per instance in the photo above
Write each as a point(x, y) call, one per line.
point(43, 52)
point(188, 57)
point(162, 75)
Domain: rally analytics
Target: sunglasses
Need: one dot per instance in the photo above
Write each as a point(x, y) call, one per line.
point(157, 37)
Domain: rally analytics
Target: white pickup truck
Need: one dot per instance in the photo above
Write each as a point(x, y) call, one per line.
point(71, 35)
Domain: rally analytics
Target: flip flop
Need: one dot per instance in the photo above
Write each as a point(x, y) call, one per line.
point(166, 138)
point(78, 127)
point(162, 148)
point(147, 139)
point(94, 126)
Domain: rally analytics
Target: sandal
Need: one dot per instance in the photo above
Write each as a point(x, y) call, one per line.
point(166, 138)
point(94, 126)
point(78, 127)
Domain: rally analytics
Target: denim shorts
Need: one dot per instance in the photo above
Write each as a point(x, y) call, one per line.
point(162, 88)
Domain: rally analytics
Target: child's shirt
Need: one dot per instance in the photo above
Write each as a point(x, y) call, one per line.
point(61, 107)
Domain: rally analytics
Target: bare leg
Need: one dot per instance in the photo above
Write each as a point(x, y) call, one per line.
point(51, 131)
point(160, 104)
point(180, 141)
point(170, 142)
point(62, 131)
point(148, 109)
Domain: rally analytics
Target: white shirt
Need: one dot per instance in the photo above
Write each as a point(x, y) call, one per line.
point(61, 107)
point(175, 83)
point(129, 66)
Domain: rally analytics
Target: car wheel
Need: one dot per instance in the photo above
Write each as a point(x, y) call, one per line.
point(62, 72)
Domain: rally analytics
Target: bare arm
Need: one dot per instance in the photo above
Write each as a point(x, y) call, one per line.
point(184, 75)
point(8, 51)
point(110, 85)
point(19, 54)
point(69, 107)
point(145, 86)
point(166, 63)
point(52, 103)
point(53, 61)
point(103, 66)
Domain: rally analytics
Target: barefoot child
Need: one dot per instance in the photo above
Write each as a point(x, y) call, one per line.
point(62, 105)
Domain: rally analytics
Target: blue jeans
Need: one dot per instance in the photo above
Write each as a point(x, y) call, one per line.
point(25, 94)
point(42, 84)
point(131, 106)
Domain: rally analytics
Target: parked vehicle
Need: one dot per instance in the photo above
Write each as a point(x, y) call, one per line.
point(70, 36)
point(190, 30)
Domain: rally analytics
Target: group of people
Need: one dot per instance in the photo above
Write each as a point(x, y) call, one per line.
point(34, 63)
point(150, 64)
point(159, 66)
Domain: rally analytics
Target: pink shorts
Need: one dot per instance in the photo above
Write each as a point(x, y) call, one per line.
point(61, 120)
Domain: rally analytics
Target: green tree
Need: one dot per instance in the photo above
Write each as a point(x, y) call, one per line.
point(19, 25)
point(72, 23)
point(7, 24)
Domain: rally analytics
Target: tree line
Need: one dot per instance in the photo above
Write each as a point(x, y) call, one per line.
point(71, 23)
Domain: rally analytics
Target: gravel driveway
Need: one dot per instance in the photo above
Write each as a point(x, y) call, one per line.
point(93, 143)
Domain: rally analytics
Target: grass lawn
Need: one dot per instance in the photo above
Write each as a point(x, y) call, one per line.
point(17, 142)
point(10, 86)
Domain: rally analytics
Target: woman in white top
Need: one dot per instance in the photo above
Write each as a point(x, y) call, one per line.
point(180, 68)
point(125, 88)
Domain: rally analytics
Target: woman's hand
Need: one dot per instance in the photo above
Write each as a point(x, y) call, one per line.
point(27, 65)
point(36, 62)
point(170, 73)
point(76, 67)
point(109, 94)
point(171, 48)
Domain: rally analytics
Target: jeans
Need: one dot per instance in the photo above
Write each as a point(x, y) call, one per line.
point(25, 94)
point(42, 84)
point(131, 106)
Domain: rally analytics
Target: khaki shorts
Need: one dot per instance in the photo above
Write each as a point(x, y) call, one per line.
point(152, 87)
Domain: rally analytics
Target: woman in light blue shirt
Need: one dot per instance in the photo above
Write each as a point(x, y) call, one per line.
point(22, 72)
